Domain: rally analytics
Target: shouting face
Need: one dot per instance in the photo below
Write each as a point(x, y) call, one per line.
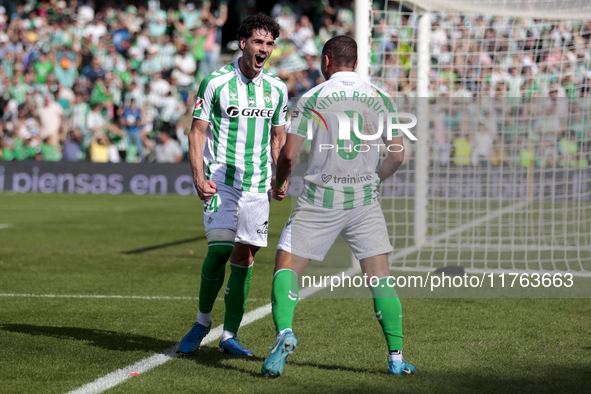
point(256, 50)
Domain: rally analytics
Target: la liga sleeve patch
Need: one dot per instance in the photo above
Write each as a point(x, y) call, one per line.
point(198, 106)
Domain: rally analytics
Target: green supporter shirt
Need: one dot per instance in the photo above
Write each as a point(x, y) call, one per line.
point(19, 150)
point(100, 94)
point(197, 45)
point(7, 154)
point(126, 78)
point(19, 92)
point(50, 153)
point(42, 69)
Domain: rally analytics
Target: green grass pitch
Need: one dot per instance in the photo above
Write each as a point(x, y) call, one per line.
point(153, 246)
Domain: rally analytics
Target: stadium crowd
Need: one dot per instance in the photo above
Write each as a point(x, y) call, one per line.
point(535, 74)
point(113, 83)
point(116, 83)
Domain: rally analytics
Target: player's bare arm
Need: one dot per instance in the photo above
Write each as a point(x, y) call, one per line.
point(394, 159)
point(285, 164)
point(205, 188)
point(277, 141)
point(278, 137)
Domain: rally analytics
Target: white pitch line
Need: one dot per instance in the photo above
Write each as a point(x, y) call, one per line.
point(6, 225)
point(63, 208)
point(485, 218)
point(119, 376)
point(480, 220)
point(114, 296)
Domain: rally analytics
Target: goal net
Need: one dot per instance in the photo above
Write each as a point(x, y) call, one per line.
point(499, 178)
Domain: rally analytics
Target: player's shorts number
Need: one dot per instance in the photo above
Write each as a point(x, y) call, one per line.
point(346, 148)
point(211, 205)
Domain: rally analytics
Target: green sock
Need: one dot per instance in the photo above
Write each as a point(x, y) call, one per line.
point(236, 295)
point(388, 310)
point(213, 274)
point(284, 298)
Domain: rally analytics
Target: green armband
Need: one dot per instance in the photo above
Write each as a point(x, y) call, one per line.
point(279, 185)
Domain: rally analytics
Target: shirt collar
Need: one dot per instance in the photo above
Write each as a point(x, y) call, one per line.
point(243, 79)
point(343, 74)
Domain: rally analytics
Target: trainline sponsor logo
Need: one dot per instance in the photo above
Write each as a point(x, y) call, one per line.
point(347, 179)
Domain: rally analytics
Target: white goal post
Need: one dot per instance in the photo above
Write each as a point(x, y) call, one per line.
point(499, 178)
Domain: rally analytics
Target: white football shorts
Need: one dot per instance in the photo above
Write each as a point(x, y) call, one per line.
point(310, 231)
point(246, 213)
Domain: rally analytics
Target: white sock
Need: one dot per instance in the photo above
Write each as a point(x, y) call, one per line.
point(395, 356)
point(204, 319)
point(227, 335)
point(282, 331)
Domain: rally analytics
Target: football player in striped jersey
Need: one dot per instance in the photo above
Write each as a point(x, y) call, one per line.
point(237, 132)
point(340, 195)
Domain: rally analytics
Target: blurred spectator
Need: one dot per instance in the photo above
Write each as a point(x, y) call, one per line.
point(133, 126)
point(168, 150)
point(190, 15)
point(184, 70)
point(94, 70)
point(99, 148)
point(156, 21)
point(313, 72)
point(214, 18)
point(568, 149)
point(303, 37)
point(50, 116)
point(169, 112)
point(462, 150)
point(95, 121)
point(327, 30)
point(66, 72)
point(43, 67)
point(483, 142)
point(120, 34)
point(73, 145)
point(159, 85)
point(95, 30)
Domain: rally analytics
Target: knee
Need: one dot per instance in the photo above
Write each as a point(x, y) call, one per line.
point(243, 255)
point(242, 259)
point(220, 235)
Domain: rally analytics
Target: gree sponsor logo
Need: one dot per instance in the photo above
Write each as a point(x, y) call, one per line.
point(234, 111)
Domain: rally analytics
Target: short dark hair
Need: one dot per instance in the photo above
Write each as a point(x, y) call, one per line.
point(258, 21)
point(341, 50)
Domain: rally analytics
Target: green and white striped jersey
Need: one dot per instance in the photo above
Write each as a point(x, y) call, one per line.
point(341, 173)
point(79, 113)
point(240, 113)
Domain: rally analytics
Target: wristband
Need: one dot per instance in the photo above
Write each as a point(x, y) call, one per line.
point(279, 185)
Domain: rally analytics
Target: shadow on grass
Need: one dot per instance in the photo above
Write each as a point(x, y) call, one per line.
point(160, 246)
point(109, 340)
point(210, 356)
point(549, 378)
